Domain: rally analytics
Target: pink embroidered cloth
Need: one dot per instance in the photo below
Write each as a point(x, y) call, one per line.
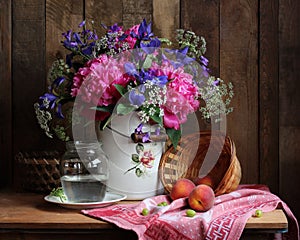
point(226, 220)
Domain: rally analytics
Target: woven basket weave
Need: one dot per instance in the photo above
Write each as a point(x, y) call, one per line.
point(39, 171)
point(188, 158)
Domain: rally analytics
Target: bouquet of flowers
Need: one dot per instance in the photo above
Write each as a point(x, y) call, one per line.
point(132, 70)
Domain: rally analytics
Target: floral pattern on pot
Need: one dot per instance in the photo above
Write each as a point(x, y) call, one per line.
point(142, 159)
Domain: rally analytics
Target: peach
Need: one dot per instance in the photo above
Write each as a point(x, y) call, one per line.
point(207, 180)
point(182, 188)
point(202, 198)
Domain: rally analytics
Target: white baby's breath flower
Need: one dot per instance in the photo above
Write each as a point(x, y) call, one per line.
point(144, 117)
point(161, 112)
point(43, 117)
point(152, 111)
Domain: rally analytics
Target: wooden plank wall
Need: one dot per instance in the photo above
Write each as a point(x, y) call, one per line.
point(5, 94)
point(289, 101)
point(254, 44)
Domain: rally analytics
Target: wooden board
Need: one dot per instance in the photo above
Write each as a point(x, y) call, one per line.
point(61, 16)
point(268, 90)
point(134, 11)
point(166, 18)
point(5, 94)
point(30, 211)
point(103, 12)
point(28, 78)
point(289, 102)
point(204, 22)
point(238, 64)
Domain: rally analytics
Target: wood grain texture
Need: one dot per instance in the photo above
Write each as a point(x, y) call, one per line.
point(5, 94)
point(268, 99)
point(61, 16)
point(166, 18)
point(28, 77)
point(203, 18)
point(134, 11)
point(30, 211)
point(103, 12)
point(28, 70)
point(289, 102)
point(238, 64)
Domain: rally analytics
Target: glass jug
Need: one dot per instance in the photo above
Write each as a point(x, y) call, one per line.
point(84, 172)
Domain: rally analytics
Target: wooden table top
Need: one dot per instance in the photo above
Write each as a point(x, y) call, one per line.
point(31, 211)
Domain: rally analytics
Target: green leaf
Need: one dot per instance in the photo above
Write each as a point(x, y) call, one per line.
point(138, 172)
point(109, 108)
point(157, 118)
point(165, 40)
point(174, 136)
point(139, 148)
point(135, 158)
point(59, 192)
point(120, 89)
point(104, 123)
point(124, 109)
point(148, 62)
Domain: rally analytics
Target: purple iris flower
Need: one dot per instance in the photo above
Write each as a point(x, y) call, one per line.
point(142, 76)
point(77, 38)
point(81, 24)
point(181, 58)
point(160, 80)
point(139, 128)
point(145, 76)
point(216, 82)
point(157, 131)
point(88, 50)
point(150, 47)
point(69, 58)
point(144, 31)
point(130, 69)
point(72, 40)
point(57, 82)
point(115, 28)
point(204, 60)
point(68, 35)
point(139, 131)
point(136, 98)
point(51, 98)
point(90, 34)
point(93, 36)
point(142, 88)
point(123, 37)
point(205, 71)
point(59, 112)
point(70, 44)
point(146, 138)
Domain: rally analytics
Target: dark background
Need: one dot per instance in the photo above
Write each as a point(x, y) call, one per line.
point(252, 43)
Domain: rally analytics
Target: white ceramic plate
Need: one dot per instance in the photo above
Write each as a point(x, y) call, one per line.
point(109, 199)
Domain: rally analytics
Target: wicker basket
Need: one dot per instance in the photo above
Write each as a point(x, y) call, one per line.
point(39, 171)
point(187, 161)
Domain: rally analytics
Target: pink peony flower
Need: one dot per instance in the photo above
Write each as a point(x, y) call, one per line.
point(131, 40)
point(94, 84)
point(181, 97)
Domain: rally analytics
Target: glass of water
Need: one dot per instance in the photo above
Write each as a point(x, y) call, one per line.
point(84, 172)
